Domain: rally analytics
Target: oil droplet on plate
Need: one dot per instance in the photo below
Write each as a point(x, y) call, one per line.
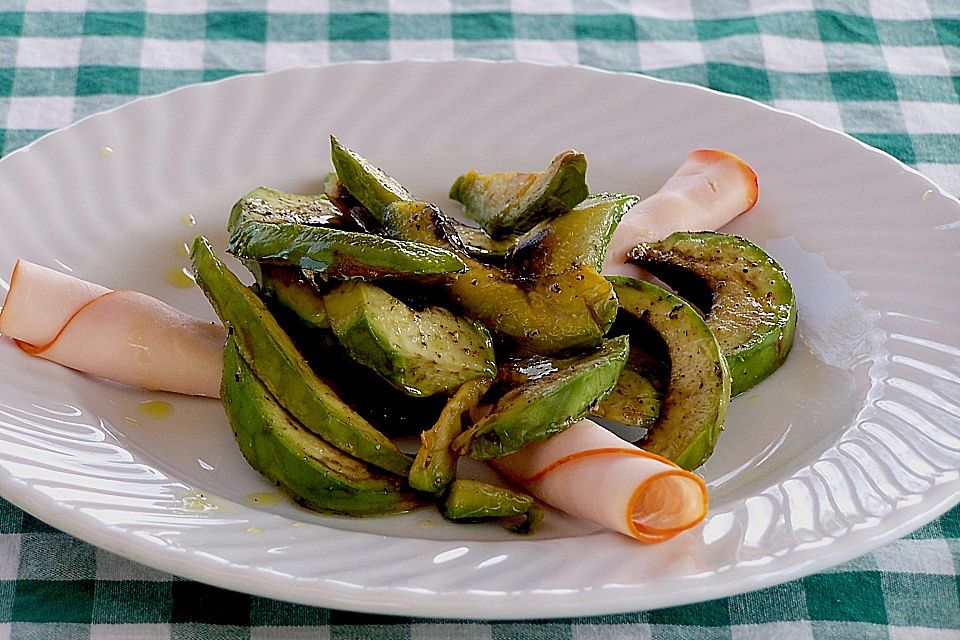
point(180, 278)
point(425, 524)
point(264, 498)
point(298, 524)
point(254, 530)
point(106, 152)
point(183, 250)
point(198, 502)
point(156, 408)
point(187, 220)
point(927, 195)
point(131, 421)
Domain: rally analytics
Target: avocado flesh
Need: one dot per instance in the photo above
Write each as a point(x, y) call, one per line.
point(294, 290)
point(436, 462)
point(548, 403)
point(317, 474)
point(271, 226)
point(276, 361)
point(695, 402)
point(548, 314)
point(511, 203)
point(753, 312)
point(574, 238)
point(419, 352)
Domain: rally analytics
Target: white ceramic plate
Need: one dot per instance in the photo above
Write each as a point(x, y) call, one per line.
point(854, 442)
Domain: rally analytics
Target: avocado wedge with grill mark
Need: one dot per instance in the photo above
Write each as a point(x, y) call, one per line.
point(510, 203)
point(317, 474)
point(481, 246)
point(548, 403)
point(277, 363)
point(578, 237)
point(559, 312)
point(548, 314)
point(295, 290)
point(752, 308)
point(695, 402)
point(638, 397)
point(365, 182)
point(271, 226)
point(419, 352)
point(634, 402)
point(436, 462)
point(476, 501)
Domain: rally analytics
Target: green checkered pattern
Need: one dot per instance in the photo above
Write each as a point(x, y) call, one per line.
point(886, 71)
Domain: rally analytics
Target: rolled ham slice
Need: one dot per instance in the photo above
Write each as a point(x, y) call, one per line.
point(124, 336)
point(710, 189)
point(590, 473)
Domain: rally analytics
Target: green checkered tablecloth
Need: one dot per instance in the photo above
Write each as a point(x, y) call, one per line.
point(886, 71)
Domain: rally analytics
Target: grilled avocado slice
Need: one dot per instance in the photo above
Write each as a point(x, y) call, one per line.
point(476, 501)
point(695, 401)
point(510, 203)
point(548, 314)
point(436, 462)
point(277, 362)
point(296, 291)
point(481, 246)
point(419, 352)
point(578, 237)
point(751, 309)
point(560, 312)
point(271, 226)
point(365, 181)
point(317, 474)
point(548, 403)
point(634, 402)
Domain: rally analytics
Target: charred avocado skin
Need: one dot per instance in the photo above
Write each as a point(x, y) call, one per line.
point(317, 474)
point(753, 309)
point(694, 404)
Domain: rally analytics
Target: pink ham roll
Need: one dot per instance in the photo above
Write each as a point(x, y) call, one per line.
point(710, 189)
point(124, 336)
point(590, 473)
